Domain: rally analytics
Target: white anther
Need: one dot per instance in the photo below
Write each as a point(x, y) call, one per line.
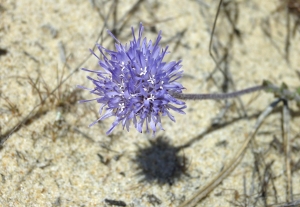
point(122, 106)
point(121, 86)
point(152, 79)
point(151, 98)
point(144, 71)
point(122, 66)
point(162, 82)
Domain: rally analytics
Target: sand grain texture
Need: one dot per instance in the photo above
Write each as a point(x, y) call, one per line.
point(54, 159)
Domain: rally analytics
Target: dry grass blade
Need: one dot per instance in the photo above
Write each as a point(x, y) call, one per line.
point(13, 108)
point(232, 17)
point(289, 204)
point(36, 109)
point(33, 112)
point(287, 150)
point(203, 192)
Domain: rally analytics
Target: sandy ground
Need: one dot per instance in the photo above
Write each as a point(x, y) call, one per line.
point(54, 159)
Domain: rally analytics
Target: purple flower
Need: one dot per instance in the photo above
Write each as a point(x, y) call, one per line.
point(135, 84)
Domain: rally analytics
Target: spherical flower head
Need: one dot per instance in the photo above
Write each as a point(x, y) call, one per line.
point(136, 85)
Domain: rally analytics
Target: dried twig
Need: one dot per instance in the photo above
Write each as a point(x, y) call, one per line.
point(203, 192)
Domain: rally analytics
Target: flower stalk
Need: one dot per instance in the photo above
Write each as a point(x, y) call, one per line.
point(220, 96)
point(137, 87)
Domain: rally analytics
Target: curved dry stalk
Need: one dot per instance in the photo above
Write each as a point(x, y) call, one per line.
point(287, 151)
point(203, 192)
point(288, 204)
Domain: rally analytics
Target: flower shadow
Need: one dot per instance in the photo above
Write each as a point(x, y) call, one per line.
point(160, 162)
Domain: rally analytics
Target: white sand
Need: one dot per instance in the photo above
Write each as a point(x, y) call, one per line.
point(50, 164)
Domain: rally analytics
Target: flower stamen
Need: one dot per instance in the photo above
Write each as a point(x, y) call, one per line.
point(152, 79)
point(143, 71)
point(132, 89)
point(151, 98)
point(121, 106)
